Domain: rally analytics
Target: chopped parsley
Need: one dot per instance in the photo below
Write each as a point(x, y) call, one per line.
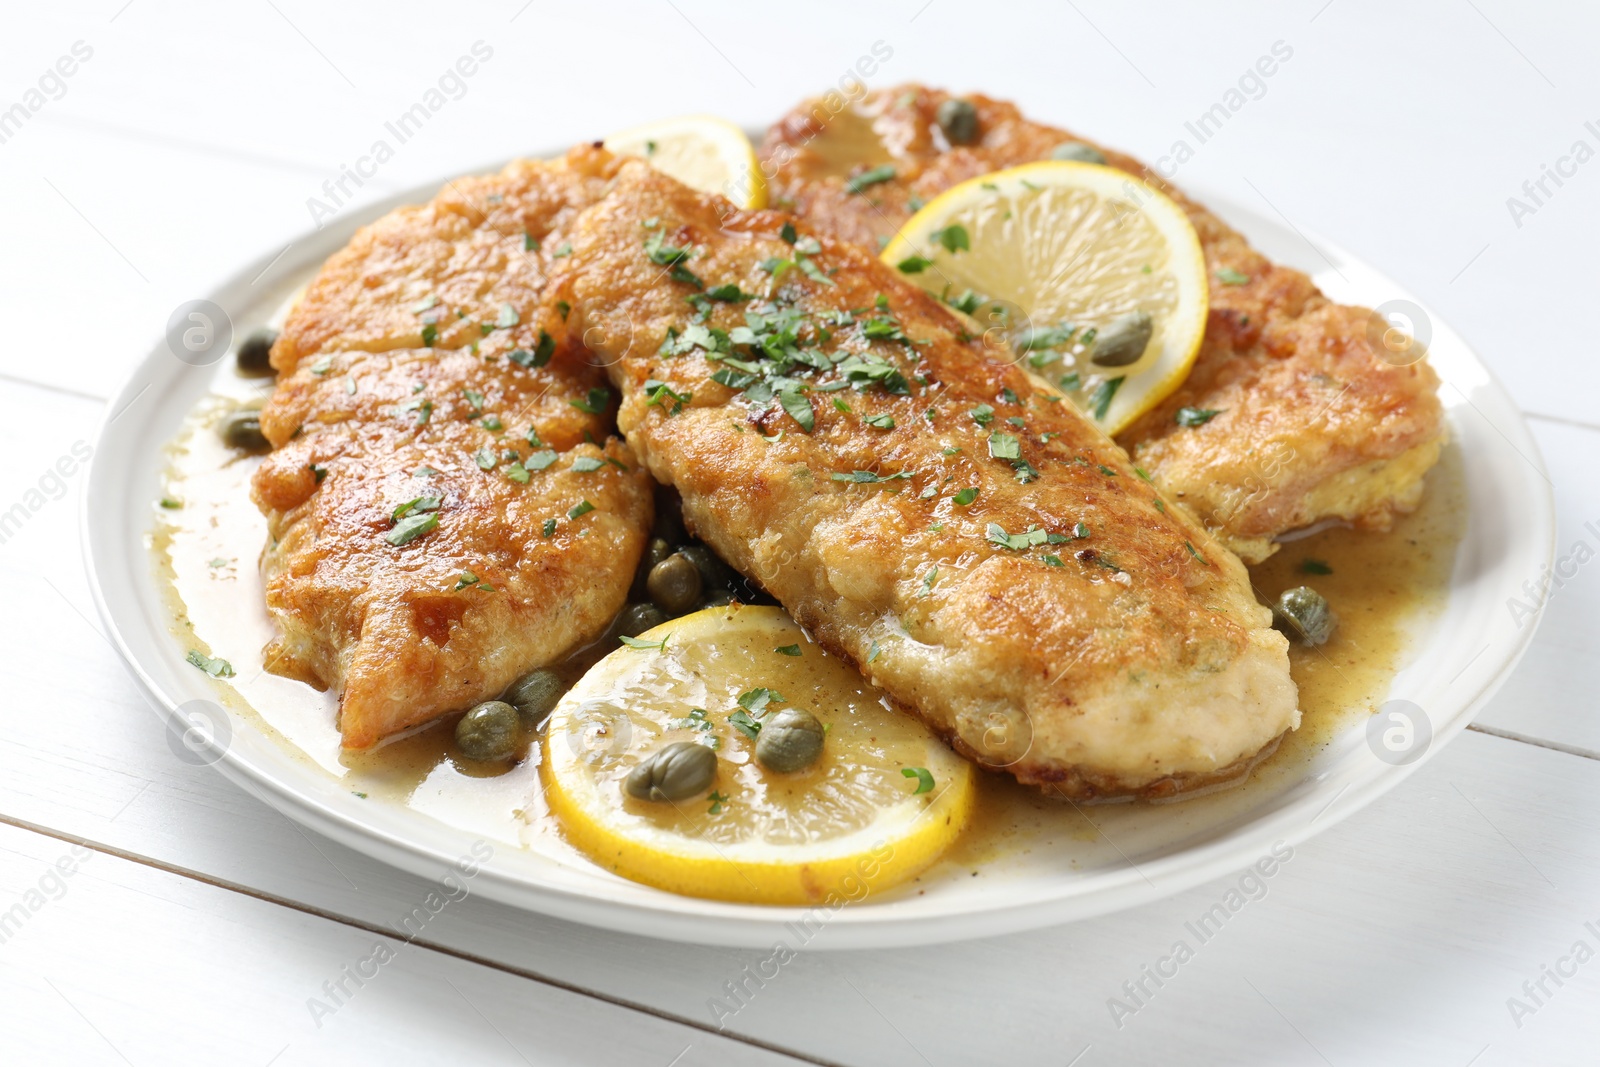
point(507, 318)
point(1314, 566)
point(996, 534)
point(966, 496)
point(953, 238)
point(799, 408)
point(598, 400)
point(411, 527)
point(915, 265)
point(1196, 554)
point(663, 254)
point(967, 301)
point(881, 422)
point(1192, 417)
point(549, 527)
point(665, 397)
point(644, 646)
point(866, 178)
point(1100, 399)
point(928, 580)
point(740, 720)
point(867, 477)
point(923, 777)
point(1229, 276)
point(1004, 446)
point(430, 334)
point(756, 700)
point(419, 504)
point(539, 356)
point(983, 414)
point(787, 650)
point(580, 509)
point(717, 801)
point(585, 464)
point(217, 668)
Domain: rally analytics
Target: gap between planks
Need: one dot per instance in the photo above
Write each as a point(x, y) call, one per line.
point(433, 946)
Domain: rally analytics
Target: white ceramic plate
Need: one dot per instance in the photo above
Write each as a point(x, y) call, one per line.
point(1140, 853)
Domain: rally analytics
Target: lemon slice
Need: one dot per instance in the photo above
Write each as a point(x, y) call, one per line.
point(1060, 258)
point(882, 802)
point(705, 153)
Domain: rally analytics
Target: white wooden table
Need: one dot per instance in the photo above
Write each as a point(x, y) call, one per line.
point(197, 923)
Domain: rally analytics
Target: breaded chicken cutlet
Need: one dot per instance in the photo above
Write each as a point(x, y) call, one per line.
point(445, 507)
point(986, 556)
point(1311, 423)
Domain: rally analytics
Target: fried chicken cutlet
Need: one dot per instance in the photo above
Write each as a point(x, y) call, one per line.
point(1312, 423)
point(445, 507)
point(986, 556)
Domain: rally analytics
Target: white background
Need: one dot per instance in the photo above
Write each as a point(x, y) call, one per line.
point(202, 920)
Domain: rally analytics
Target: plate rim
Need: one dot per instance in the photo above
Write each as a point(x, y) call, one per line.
point(690, 919)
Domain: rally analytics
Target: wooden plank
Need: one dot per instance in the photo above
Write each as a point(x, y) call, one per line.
point(103, 960)
point(1550, 699)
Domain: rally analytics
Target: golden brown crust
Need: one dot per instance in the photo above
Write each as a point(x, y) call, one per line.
point(368, 417)
point(1306, 401)
point(1108, 659)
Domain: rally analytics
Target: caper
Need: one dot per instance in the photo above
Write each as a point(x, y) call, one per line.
point(242, 430)
point(1303, 614)
point(959, 120)
point(252, 355)
point(790, 740)
point(657, 550)
point(637, 618)
point(1124, 340)
point(673, 772)
point(675, 585)
point(534, 695)
point(1078, 152)
point(489, 732)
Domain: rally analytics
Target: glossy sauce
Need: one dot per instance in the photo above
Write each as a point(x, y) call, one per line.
point(1384, 587)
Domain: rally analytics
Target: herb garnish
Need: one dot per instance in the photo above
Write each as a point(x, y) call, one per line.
point(644, 646)
point(411, 527)
point(1101, 397)
point(217, 668)
point(596, 402)
point(1192, 417)
point(923, 777)
point(882, 173)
